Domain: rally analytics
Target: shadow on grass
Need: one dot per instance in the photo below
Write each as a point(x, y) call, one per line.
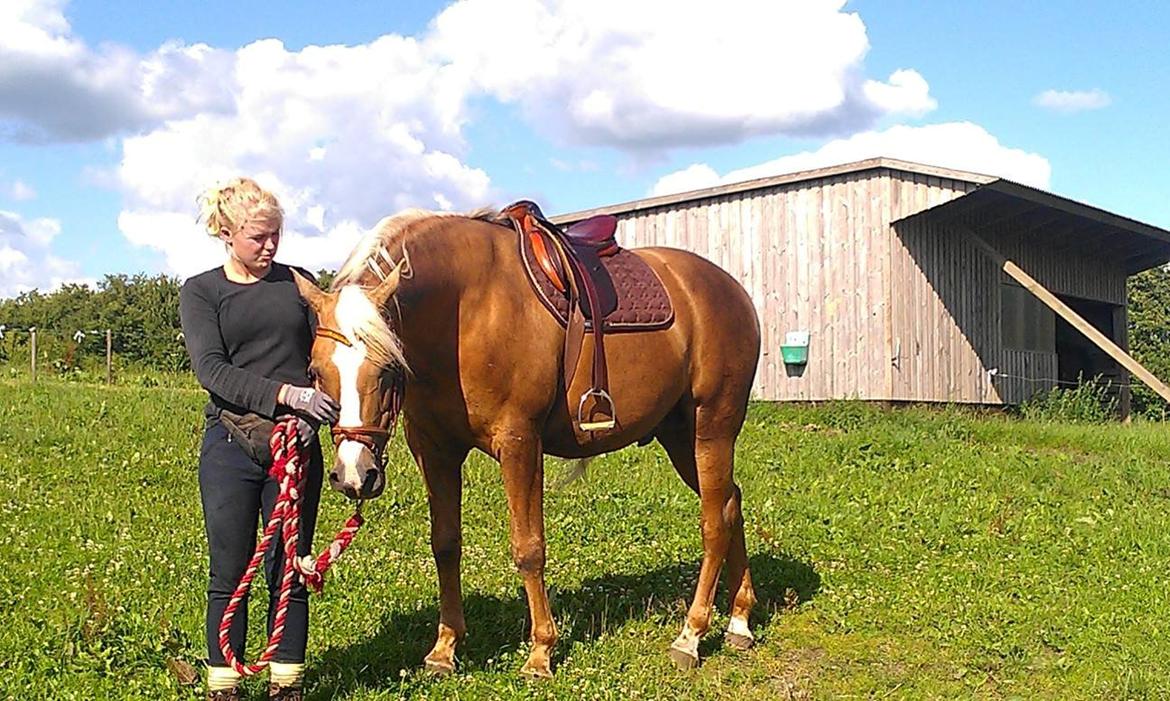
point(599, 606)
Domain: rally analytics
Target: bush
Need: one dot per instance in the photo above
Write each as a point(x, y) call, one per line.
point(1090, 401)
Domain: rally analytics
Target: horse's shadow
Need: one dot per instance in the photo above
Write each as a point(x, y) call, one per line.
point(500, 626)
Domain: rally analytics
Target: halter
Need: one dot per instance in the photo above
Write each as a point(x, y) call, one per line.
point(374, 438)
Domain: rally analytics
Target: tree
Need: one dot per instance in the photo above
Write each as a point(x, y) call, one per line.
point(1149, 335)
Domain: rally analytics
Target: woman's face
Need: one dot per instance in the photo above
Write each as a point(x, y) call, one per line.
point(255, 244)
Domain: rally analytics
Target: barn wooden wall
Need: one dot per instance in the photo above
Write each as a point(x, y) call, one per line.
point(902, 312)
point(814, 256)
point(1024, 373)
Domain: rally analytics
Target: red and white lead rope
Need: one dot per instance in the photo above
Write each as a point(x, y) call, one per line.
point(286, 469)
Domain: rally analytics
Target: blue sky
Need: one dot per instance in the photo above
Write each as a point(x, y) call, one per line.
point(114, 115)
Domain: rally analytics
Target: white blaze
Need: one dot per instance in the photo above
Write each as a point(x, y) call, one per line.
point(351, 304)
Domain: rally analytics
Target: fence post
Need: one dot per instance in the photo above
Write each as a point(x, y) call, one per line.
point(109, 359)
point(32, 332)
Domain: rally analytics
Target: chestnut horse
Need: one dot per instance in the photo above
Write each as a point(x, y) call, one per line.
point(454, 331)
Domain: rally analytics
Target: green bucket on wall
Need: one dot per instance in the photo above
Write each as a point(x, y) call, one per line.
point(795, 348)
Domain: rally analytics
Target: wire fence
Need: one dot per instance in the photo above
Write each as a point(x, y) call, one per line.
point(108, 355)
point(96, 355)
point(1103, 380)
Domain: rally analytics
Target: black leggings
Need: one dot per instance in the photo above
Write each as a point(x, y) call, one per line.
point(233, 490)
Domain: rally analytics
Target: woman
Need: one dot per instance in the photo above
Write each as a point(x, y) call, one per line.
point(249, 336)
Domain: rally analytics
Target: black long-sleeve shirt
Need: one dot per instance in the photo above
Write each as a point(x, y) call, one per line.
point(246, 340)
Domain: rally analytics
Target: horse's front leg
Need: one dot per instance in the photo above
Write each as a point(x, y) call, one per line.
point(522, 463)
point(442, 469)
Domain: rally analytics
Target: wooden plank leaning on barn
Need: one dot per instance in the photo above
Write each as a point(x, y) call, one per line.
point(1102, 341)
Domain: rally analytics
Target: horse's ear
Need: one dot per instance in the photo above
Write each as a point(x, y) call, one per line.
point(309, 291)
point(386, 289)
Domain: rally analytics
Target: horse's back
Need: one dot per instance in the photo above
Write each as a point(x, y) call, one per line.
point(715, 299)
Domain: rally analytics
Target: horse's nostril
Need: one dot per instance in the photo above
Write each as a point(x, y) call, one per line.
point(333, 478)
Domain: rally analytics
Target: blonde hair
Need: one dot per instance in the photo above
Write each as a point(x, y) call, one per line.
point(232, 205)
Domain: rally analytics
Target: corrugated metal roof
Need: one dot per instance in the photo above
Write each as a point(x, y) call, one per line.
point(1142, 245)
point(773, 180)
point(1057, 223)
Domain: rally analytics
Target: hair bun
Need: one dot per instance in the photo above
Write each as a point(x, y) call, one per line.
point(231, 205)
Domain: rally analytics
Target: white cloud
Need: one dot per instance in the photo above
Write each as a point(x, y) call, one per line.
point(693, 177)
point(959, 145)
point(905, 93)
point(1072, 100)
point(20, 191)
point(347, 134)
point(25, 259)
point(641, 76)
point(661, 73)
point(55, 87)
point(342, 135)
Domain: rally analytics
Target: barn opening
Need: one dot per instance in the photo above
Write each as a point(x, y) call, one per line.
point(1078, 358)
point(1029, 325)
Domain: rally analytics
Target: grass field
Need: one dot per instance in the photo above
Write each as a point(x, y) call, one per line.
point(899, 554)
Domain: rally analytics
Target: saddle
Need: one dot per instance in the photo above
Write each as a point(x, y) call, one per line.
point(590, 285)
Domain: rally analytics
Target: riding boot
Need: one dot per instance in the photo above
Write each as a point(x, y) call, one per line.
point(284, 693)
point(232, 694)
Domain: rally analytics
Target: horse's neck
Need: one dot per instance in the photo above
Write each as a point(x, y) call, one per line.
point(441, 262)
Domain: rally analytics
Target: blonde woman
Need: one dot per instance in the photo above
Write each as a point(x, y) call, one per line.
point(249, 334)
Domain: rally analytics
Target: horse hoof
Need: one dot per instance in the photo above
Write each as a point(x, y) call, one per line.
point(683, 659)
point(439, 669)
point(739, 642)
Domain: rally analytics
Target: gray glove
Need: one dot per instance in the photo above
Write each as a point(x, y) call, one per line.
point(306, 432)
point(312, 403)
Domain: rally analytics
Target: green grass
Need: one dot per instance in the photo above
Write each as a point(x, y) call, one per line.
point(900, 554)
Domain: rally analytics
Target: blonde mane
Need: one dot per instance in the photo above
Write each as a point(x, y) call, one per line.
point(365, 322)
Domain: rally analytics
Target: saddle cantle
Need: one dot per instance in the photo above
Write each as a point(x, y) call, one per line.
point(590, 285)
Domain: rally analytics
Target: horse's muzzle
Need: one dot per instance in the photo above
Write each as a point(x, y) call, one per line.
point(372, 484)
point(356, 473)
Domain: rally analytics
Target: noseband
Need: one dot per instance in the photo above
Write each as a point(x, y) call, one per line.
point(374, 438)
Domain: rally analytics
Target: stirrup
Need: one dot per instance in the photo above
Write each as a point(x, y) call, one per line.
point(603, 425)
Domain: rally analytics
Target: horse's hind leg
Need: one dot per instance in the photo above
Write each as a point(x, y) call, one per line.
point(739, 576)
point(701, 445)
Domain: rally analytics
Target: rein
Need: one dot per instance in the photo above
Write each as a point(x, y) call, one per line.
point(287, 470)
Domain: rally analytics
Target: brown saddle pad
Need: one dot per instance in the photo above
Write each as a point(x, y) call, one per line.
point(643, 304)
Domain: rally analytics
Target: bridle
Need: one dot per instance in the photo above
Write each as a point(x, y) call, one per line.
point(373, 437)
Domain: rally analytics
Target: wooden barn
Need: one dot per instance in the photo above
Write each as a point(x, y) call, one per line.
point(885, 280)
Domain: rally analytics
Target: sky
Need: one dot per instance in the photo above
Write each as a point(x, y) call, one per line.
point(116, 115)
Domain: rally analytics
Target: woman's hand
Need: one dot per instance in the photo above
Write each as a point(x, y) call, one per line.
point(312, 403)
point(306, 431)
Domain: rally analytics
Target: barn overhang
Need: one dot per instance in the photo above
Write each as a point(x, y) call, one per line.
point(1055, 224)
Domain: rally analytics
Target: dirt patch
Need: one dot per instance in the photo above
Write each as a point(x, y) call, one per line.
point(791, 675)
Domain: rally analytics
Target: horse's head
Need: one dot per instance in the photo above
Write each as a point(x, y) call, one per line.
point(357, 359)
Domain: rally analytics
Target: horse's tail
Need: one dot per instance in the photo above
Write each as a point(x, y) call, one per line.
point(577, 468)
